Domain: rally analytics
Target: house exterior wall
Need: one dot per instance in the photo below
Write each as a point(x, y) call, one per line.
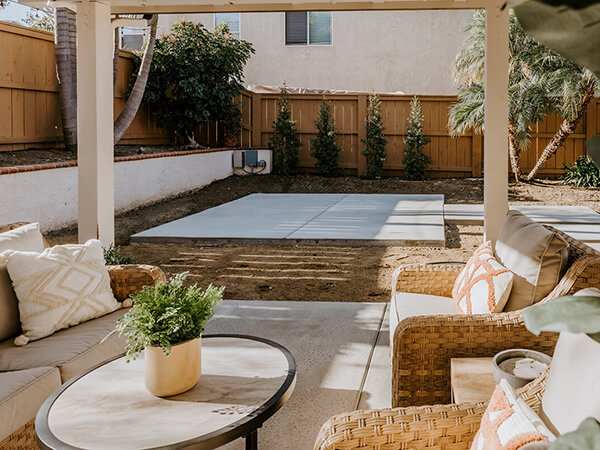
point(390, 51)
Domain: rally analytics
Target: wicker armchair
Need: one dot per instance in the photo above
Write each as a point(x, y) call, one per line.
point(424, 345)
point(450, 427)
point(124, 280)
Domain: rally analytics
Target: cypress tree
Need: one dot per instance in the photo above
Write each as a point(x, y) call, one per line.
point(374, 142)
point(415, 161)
point(324, 145)
point(284, 142)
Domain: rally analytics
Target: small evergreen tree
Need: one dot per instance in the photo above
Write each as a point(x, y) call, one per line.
point(324, 145)
point(284, 142)
point(374, 142)
point(415, 161)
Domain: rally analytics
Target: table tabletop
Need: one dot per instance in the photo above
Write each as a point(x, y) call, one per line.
point(472, 379)
point(244, 381)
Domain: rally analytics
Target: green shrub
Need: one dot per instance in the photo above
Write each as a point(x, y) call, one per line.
point(415, 161)
point(375, 142)
point(113, 256)
point(195, 76)
point(324, 145)
point(284, 142)
point(167, 314)
point(583, 173)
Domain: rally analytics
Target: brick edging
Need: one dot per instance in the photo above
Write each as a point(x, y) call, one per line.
point(73, 163)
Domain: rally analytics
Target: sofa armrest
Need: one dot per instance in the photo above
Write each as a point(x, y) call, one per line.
point(424, 345)
point(440, 426)
point(130, 278)
point(431, 279)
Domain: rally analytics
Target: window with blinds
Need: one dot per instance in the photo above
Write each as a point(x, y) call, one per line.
point(308, 28)
point(231, 19)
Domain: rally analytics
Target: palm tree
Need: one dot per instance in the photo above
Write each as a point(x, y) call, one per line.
point(540, 83)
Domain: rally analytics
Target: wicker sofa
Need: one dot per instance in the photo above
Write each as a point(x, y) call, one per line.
point(30, 373)
point(422, 345)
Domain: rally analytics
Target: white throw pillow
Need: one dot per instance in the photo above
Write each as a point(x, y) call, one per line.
point(60, 287)
point(484, 285)
point(509, 423)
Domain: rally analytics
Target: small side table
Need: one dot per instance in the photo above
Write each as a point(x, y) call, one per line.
point(472, 379)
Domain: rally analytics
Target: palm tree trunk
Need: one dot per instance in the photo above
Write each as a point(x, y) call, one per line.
point(116, 51)
point(135, 98)
point(567, 127)
point(515, 154)
point(66, 71)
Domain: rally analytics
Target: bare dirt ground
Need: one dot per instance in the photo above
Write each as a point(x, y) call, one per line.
point(281, 272)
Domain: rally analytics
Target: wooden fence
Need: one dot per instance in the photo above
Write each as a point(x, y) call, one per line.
point(29, 117)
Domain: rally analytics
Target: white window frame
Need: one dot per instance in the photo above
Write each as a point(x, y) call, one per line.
point(240, 20)
point(308, 44)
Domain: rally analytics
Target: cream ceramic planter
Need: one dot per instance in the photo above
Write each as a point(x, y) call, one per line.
point(176, 373)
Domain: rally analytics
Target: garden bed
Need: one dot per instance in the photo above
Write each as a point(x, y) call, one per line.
point(271, 272)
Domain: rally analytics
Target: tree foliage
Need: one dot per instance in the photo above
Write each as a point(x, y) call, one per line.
point(195, 76)
point(415, 161)
point(324, 145)
point(375, 142)
point(284, 142)
point(540, 83)
point(583, 173)
point(40, 20)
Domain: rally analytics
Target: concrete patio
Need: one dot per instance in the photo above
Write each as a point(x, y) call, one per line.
point(341, 352)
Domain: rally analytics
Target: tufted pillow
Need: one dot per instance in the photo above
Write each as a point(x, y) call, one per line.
point(60, 287)
point(483, 286)
point(510, 424)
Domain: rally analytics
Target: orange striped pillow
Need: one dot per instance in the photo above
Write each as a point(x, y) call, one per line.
point(484, 285)
point(510, 424)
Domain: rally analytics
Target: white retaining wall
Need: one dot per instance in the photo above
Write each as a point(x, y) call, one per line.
point(50, 196)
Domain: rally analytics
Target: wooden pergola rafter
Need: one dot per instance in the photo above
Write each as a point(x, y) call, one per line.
point(95, 99)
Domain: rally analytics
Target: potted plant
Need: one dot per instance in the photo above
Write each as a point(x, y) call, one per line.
point(167, 321)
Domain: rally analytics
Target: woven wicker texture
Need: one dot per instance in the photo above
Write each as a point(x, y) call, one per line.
point(424, 345)
point(448, 427)
point(22, 439)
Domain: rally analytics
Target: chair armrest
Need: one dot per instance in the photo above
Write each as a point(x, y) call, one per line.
point(431, 279)
point(440, 426)
point(130, 278)
point(424, 345)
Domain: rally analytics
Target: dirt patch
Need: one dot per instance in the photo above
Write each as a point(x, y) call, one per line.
point(286, 272)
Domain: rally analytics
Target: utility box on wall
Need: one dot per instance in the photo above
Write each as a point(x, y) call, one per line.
point(252, 162)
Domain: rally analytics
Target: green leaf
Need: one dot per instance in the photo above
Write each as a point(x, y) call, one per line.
point(572, 313)
point(587, 435)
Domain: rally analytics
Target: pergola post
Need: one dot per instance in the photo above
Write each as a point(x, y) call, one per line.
point(495, 163)
point(95, 122)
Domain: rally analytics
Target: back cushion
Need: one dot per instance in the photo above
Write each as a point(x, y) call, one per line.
point(26, 238)
point(534, 254)
point(573, 387)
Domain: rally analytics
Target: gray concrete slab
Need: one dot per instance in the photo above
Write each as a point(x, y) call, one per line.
point(331, 343)
point(472, 214)
point(394, 218)
point(334, 219)
point(377, 389)
point(256, 216)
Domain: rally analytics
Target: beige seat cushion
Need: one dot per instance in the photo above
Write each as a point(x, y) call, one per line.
point(404, 305)
point(534, 254)
point(573, 387)
point(21, 395)
point(61, 287)
point(72, 350)
point(27, 238)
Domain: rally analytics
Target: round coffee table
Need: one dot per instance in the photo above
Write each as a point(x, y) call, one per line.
point(244, 381)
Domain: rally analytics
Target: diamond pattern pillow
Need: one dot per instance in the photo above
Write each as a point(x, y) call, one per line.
point(60, 287)
point(484, 285)
point(510, 424)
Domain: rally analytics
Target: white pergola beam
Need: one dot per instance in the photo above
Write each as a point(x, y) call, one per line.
point(495, 164)
point(95, 122)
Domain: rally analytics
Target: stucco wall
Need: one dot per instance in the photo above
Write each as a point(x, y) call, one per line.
point(50, 196)
point(408, 51)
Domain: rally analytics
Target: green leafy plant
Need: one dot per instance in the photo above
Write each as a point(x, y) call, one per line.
point(195, 76)
point(415, 161)
point(284, 142)
point(583, 173)
point(324, 145)
point(167, 314)
point(113, 256)
point(375, 142)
